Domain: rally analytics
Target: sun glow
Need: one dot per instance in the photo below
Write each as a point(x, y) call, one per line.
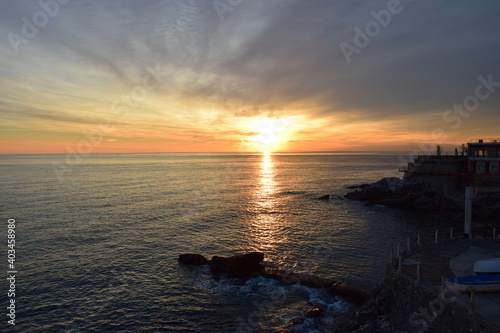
point(272, 134)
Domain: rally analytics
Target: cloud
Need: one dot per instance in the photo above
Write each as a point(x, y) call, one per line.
point(265, 59)
point(403, 70)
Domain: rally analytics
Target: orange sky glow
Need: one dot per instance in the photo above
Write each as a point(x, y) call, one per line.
point(259, 78)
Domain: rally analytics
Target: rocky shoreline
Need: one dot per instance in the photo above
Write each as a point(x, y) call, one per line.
point(249, 265)
point(428, 195)
point(399, 305)
point(407, 194)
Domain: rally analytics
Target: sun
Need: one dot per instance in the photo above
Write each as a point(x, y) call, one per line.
point(271, 134)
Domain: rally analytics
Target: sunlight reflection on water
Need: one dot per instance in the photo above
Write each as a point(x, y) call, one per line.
point(267, 184)
point(266, 226)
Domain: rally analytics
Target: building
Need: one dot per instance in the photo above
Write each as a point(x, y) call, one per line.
point(480, 158)
point(484, 157)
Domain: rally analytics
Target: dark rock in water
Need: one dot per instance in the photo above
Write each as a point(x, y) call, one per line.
point(192, 259)
point(423, 200)
point(350, 293)
point(289, 277)
point(384, 188)
point(362, 186)
point(315, 313)
point(325, 197)
point(238, 266)
point(408, 194)
point(424, 203)
point(296, 321)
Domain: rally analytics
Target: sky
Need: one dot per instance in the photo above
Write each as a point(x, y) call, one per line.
point(247, 75)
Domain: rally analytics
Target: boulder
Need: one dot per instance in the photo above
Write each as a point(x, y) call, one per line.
point(315, 313)
point(192, 259)
point(375, 193)
point(425, 203)
point(355, 294)
point(362, 186)
point(238, 266)
point(385, 188)
point(390, 183)
point(325, 197)
point(411, 186)
point(289, 277)
point(409, 194)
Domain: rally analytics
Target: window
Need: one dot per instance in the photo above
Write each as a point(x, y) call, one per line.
point(480, 168)
point(491, 151)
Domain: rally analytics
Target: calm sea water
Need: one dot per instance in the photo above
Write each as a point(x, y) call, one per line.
point(97, 249)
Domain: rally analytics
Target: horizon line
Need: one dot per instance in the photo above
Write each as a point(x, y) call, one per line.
point(228, 152)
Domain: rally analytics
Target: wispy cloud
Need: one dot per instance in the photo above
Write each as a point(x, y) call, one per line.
point(265, 59)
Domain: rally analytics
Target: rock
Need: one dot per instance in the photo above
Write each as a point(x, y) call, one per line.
point(192, 259)
point(315, 313)
point(358, 186)
point(244, 265)
point(383, 189)
point(351, 293)
point(325, 197)
point(424, 203)
point(289, 277)
point(411, 186)
point(296, 321)
point(375, 193)
point(398, 202)
point(410, 194)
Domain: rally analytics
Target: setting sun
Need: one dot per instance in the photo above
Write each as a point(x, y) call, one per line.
point(271, 134)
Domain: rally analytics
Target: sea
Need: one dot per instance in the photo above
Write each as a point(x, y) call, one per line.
point(97, 238)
